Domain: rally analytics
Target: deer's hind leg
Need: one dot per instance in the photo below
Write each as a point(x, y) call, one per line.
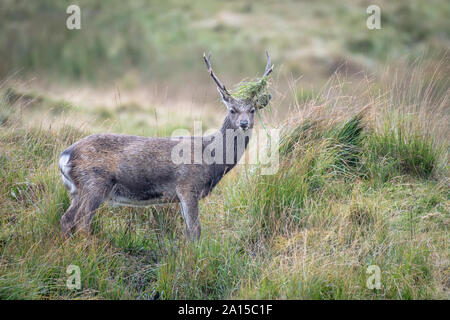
point(90, 200)
point(68, 219)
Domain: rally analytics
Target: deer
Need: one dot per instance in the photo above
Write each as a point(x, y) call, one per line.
point(128, 170)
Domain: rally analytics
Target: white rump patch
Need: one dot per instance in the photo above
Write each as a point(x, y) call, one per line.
point(65, 168)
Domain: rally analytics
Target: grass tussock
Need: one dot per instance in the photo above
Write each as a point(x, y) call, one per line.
point(363, 180)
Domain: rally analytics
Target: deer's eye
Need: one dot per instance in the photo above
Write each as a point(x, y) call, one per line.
point(252, 111)
point(232, 111)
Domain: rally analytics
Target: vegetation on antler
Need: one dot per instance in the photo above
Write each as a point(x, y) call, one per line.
point(253, 89)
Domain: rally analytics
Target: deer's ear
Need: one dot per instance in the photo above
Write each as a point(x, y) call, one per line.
point(226, 97)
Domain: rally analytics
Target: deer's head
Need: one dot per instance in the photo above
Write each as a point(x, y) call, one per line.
point(241, 111)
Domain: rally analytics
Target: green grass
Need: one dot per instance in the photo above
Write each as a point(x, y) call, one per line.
point(326, 227)
point(363, 180)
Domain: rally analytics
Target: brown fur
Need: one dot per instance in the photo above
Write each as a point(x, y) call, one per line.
point(133, 170)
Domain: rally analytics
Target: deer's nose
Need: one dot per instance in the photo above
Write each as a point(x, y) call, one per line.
point(244, 123)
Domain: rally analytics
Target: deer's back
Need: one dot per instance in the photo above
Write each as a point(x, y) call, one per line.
point(138, 169)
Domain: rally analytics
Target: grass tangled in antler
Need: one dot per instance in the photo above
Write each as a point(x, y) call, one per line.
point(253, 89)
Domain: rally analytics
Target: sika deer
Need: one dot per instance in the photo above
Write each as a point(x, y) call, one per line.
point(138, 171)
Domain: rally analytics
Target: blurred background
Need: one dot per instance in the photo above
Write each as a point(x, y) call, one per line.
point(140, 41)
point(144, 57)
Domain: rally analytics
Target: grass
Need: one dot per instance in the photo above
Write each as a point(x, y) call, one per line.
point(363, 180)
point(251, 88)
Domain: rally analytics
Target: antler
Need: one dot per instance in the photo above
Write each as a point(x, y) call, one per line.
point(211, 72)
point(269, 65)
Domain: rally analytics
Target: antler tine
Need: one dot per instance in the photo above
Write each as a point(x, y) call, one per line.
point(211, 72)
point(269, 65)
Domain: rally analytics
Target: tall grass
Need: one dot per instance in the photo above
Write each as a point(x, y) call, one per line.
point(338, 202)
point(363, 180)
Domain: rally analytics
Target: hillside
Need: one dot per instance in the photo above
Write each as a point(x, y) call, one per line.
point(363, 180)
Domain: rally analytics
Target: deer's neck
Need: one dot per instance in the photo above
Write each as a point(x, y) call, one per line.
point(235, 142)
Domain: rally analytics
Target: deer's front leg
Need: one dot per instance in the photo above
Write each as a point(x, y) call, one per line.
point(189, 207)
